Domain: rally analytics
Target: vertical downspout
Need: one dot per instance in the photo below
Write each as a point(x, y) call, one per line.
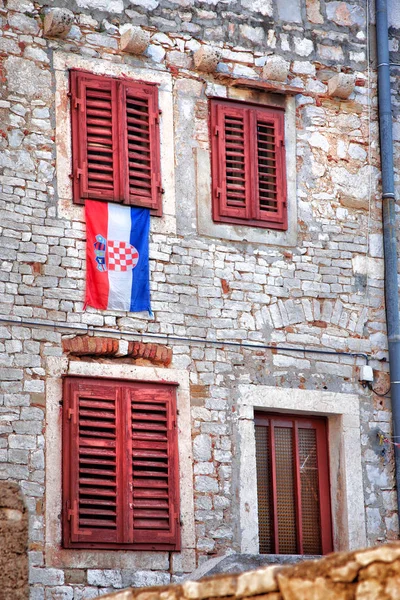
point(389, 224)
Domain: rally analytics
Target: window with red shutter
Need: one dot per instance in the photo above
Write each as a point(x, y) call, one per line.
point(294, 514)
point(120, 465)
point(115, 141)
point(248, 165)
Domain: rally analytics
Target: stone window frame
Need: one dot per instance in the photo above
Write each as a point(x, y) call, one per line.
point(344, 440)
point(205, 225)
point(63, 63)
point(58, 557)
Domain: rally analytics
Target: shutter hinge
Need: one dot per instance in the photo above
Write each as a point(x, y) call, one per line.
point(78, 102)
point(216, 130)
point(156, 116)
point(70, 512)
point(70, 412)
point(218, 192)
point(160, 189)
point(78, 173)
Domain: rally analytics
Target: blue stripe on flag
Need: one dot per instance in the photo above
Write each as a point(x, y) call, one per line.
point(140, 293)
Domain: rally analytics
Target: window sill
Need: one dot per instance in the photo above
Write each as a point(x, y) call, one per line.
point(247, 233)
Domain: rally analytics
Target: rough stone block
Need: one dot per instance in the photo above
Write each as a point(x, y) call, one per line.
point(276, 68)
point(108, 577)
point(314, 11)
point(206, 59)
point(144, 578)
point(344, 14)
point(289, 11)
point(58, 22)
point(135, 40)
point(341, 85)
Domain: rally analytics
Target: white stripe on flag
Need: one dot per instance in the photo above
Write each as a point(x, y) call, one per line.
point(119, 230)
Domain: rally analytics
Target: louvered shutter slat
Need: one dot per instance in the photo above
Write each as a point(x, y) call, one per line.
point(94, 137)
point(154, 466)
point(139, 116)
point(234, 200)
point(120, 472)
point(248, 165)
point(91, 478)
point(270, 189)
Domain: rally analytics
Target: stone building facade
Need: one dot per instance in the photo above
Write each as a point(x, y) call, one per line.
point(238, 311)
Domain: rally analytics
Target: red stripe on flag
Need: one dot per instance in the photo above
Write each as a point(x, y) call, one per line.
point(97, 285)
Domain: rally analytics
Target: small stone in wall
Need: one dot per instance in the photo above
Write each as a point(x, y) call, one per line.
point(206, 59)
point(58, 22)
point(341, 85)
point(276, 68)
point(135, 40)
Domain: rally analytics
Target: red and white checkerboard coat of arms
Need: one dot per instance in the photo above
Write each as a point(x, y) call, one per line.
point(121, 256)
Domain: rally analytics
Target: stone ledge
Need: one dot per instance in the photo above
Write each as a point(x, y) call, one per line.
point(363, 574)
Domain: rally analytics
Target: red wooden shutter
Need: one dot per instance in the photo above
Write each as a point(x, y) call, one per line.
point(230, 154)
point(95, 145)
point(155, 481)
point(141, 180)
point(268, 160)
point(92, 474)
point(248, 165)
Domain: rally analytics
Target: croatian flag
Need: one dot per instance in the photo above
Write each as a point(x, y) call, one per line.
point(117, 257)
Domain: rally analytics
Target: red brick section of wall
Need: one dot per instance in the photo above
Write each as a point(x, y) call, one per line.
point(13, 543)
point(371, 574)
point(153, 352)
point(85, 345)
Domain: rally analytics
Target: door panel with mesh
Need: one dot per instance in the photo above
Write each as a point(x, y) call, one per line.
point(263, 485)
point(292, 485)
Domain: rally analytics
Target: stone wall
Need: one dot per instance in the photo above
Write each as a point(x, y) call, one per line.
point(363, 575)
point(14, 543)
point(323, 290)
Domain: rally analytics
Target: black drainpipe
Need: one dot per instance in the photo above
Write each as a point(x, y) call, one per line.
point(389, 224)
